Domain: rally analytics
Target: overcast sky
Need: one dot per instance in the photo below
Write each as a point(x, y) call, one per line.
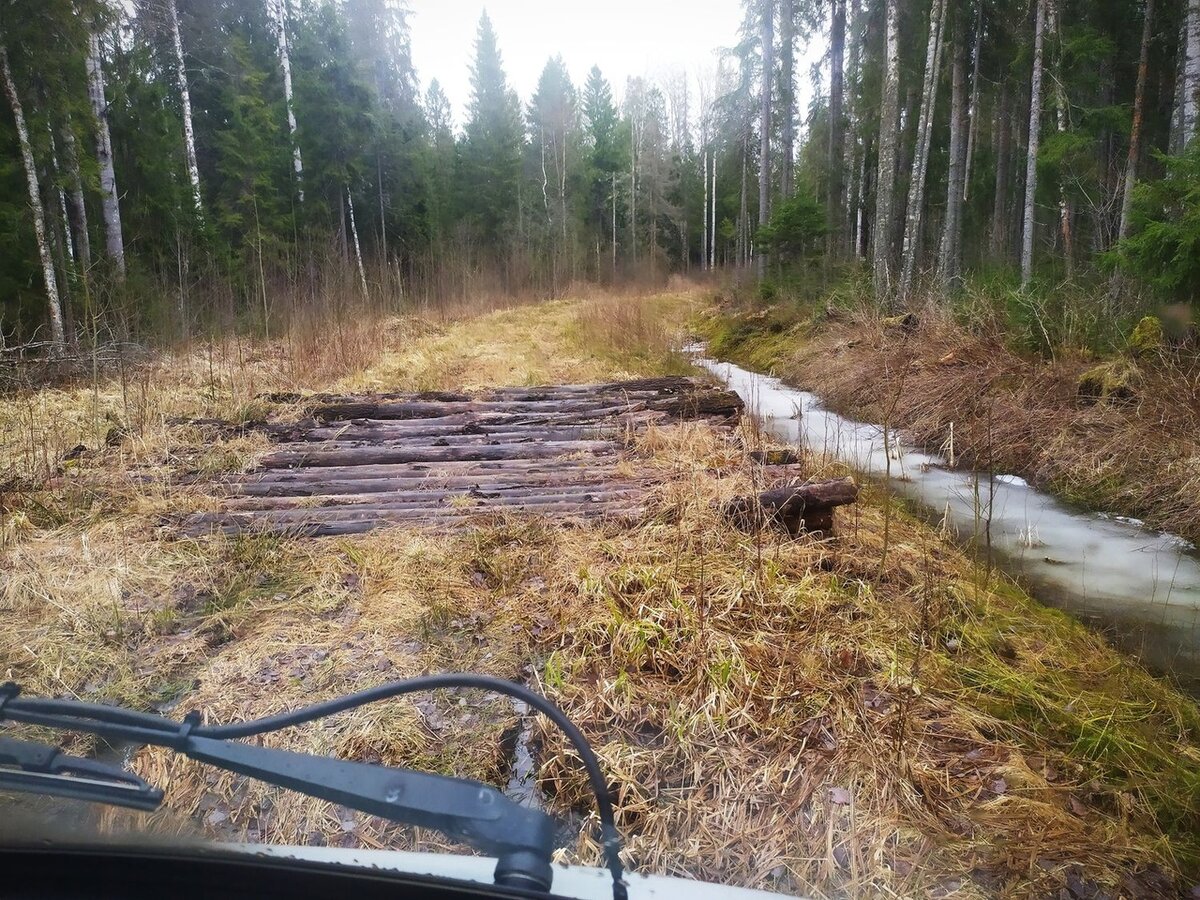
point(624, 37)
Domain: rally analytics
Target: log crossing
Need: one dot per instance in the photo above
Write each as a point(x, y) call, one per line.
point(355, 463)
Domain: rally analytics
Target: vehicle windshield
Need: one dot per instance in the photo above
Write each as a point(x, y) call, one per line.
point(803, 396)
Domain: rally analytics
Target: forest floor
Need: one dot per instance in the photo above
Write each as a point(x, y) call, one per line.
point(869, 712)
point(1120, 435)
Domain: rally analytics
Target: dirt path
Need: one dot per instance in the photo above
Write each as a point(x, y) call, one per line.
point(864, 713)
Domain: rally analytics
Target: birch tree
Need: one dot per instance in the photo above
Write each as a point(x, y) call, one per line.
point(1190, 84)
point(1135, 128)
point(767, 41)
point(889, 128)
point(53, 303)
point(185, 103)
point(110, 205)
point(920, 165)
point(787, 95)
point(836, 149)
point(1035, 130)
point(950, 253)
point(285, 63)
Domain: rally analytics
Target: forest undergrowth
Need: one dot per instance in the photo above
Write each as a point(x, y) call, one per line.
point(869, 712)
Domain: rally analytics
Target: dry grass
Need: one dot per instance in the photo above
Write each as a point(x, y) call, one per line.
point(772, 713)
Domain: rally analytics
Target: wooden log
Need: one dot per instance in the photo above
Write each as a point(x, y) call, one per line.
point(330, 488)
point(428, 520)
point(370, 455)
point(430, 501)
point(783, 457)
point(457, 434)
point(418, 470)
point(435, 494)
point(795, 508)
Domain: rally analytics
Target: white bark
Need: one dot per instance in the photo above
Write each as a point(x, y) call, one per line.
point(767, 36)
point(110, 206)
point(973, 111)
point(1191, 73)
point(712, 230)
point(1135, 131)
point(285, 62)
point(185, 102)
point(704, 245)
point(950, 254)
point(362, 272)
point(916, 192)
point(62, 201)
point(889, 121)
point(1065, 213)
point(1035, 133)
point(79, 224)
point(53, 304)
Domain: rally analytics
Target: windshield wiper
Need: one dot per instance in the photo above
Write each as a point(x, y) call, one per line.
point(521, 838)
point(41, 769)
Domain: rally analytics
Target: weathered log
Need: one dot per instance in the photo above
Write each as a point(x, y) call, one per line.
point(435, 494)
point(444, 521)
point(795, 508)
point(331, 488)
point(372, 455)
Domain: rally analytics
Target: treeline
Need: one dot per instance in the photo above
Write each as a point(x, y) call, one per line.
point(162, 160)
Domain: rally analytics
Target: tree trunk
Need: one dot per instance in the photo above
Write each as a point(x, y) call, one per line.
point(712, 219)
point(75, 200)
point(1066, 212)
point(950, 255)
point(285, 62)
point(1035, 132)
point(916, 193)
point(767, 37)
point(704, 243)
point(889, 121)
point(1191, 74)
point(110, 207)
point(185, 102)
point(1135, 130)
point(787, 93)
point(999, 243)
point(53, 304)
point(362, 273)
point(836, 149)
point(973, 113)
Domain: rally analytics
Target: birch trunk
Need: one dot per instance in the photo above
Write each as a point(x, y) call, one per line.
point(950, 255)
point(110, 206)
point(1191, 74)
point(61, 195)
point(185, 102)
point(285, 63)
point(75, 200)
point(704, 244)
point(767, 37)
point(53, 304)
point(916, 193)
point(1135, 130)
point(1035, 131)
point(787, 93)
point(1065, 210)
point(973, 112)
point(362, 273)
point(836, 149)
point(889, 122)
point(999, 244)
point(712, 219)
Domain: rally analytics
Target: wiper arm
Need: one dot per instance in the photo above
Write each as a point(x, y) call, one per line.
point(521, 838)
point(42, 769)
point(481, 816)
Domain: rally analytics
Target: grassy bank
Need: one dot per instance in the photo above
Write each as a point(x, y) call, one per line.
point(865, 713)
point(1119, 433)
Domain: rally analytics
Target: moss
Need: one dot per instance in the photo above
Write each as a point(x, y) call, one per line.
point(1147, 337)
point(1114, 380)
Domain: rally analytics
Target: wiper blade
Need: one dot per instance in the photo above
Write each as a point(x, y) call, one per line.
point(41, 769)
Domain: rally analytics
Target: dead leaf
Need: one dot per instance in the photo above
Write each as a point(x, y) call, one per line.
point(1078, 807)
point(840, 796)
point(999, 786)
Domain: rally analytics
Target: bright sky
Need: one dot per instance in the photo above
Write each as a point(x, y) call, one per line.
point(624, 37)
